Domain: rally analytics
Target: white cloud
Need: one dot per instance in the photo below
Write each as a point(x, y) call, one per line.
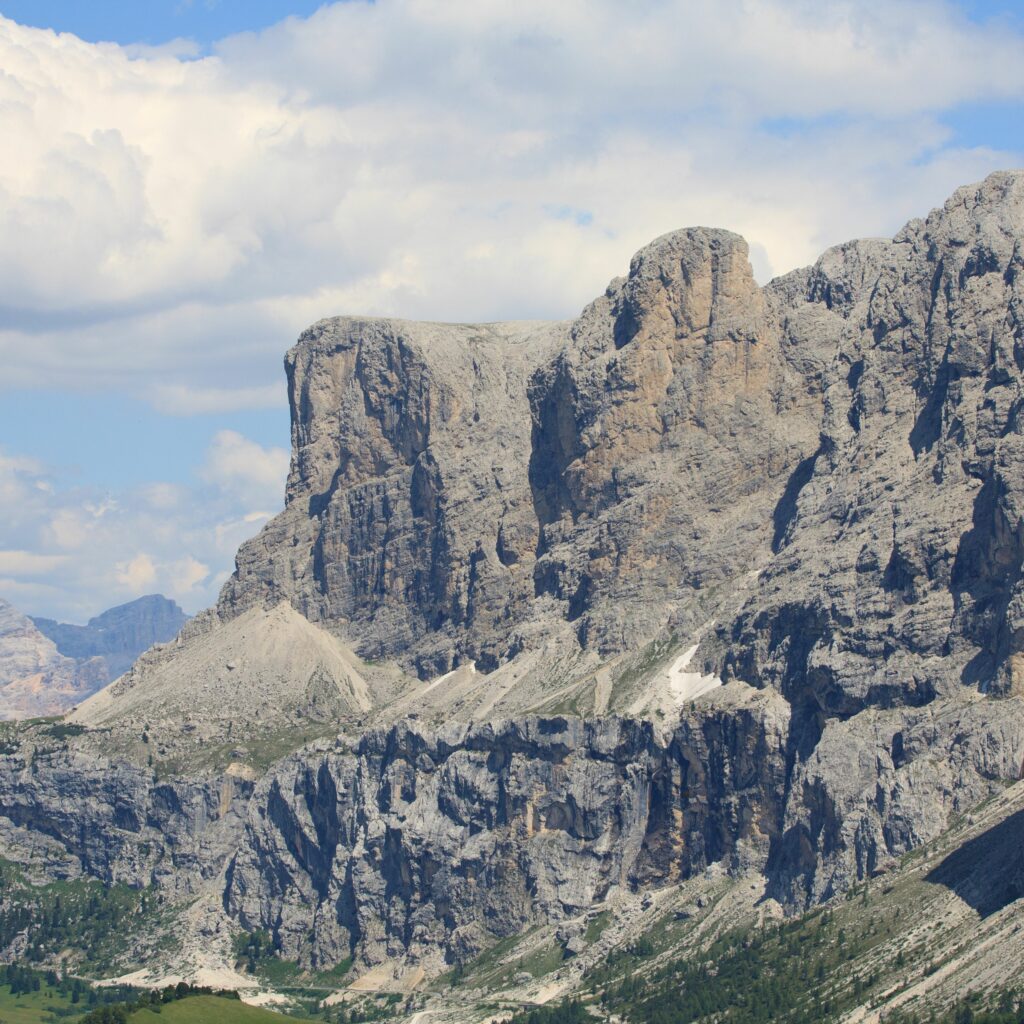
point(169, 224)
point(162, 496)
point(179, 400)
point(238, 465)
point(188, 573)
point(28, 563)
point(70, 552)
point(137, 575)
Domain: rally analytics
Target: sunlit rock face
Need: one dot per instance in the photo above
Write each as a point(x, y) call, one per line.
point(47, 667)
point(715, 574)
point(35, 678)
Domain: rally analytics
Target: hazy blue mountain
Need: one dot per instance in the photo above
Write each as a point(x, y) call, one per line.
point(119, 635)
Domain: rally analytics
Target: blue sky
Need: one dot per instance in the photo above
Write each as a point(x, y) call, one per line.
point(154, 22)
point(174, 215)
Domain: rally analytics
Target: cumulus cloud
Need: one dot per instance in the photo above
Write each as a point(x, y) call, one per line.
point(179, 400)
point(69, 552)
point(29, 563)
point(137, 575)
point(236, 465)
point(170, 223)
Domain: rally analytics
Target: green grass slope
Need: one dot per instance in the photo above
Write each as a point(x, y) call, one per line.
point(32, 1007)
point(208, 1010)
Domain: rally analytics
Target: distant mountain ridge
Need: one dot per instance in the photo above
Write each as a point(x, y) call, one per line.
point(47, 667)
point(120, 634)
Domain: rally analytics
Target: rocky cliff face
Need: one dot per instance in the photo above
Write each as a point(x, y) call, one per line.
point(714, 574)
point(461, 493)
point(898, 551)
point(69, 813)
point(425, 846)
point(408, 522)
point(35, 678)
point(433, 845)
point(837, 451)
point(664, 433)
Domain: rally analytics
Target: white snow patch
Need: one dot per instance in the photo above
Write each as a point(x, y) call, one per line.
point(683, 685)
point(469, 669)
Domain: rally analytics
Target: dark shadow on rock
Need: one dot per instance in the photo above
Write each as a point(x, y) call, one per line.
point(927, 427)
point(785, 510)
point(988, 871)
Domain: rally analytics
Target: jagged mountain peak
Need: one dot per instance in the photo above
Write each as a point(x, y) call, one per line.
point(46, 667)
point(689, 450)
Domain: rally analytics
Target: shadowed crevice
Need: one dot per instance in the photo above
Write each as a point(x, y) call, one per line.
point(987, 872)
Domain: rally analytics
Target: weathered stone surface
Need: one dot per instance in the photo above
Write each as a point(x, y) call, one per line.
point(899, 550)
point(68, 813)
point(882, 783)
point(35, 678)
point(436, 844)
point(408, 522)
point(664, 433)
point(459, 492)
point(812, 492)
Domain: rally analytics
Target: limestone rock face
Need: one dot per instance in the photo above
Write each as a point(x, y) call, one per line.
point(408, 524)
point(896, 574)
point(663, 436)
point(35, 679)
point(714, 574)
point(436, 844)
point(836, 451)
point(882, 783)
point(427, 845)
point(68, 813)
point(460, 492)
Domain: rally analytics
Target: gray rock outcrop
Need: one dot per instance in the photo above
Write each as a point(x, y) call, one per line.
point(69, 813)
point(898, 551)
point(408, 518)
point(433, 845)
point(714, 574)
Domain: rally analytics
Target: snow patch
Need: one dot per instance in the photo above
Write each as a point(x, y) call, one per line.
point(684, 686)
point(469, 669)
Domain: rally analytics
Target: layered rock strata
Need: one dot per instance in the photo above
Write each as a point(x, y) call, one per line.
point(778, 530)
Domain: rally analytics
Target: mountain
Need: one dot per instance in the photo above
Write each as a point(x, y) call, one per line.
point(47, 667)
point(698, 613)
point(118, 635)
point(35, 678)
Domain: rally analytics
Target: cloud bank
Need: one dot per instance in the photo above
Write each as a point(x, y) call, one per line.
point(70, 551)
point(447, 160)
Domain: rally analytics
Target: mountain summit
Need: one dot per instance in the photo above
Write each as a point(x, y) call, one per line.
point(46, 667)
point(715, 585)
